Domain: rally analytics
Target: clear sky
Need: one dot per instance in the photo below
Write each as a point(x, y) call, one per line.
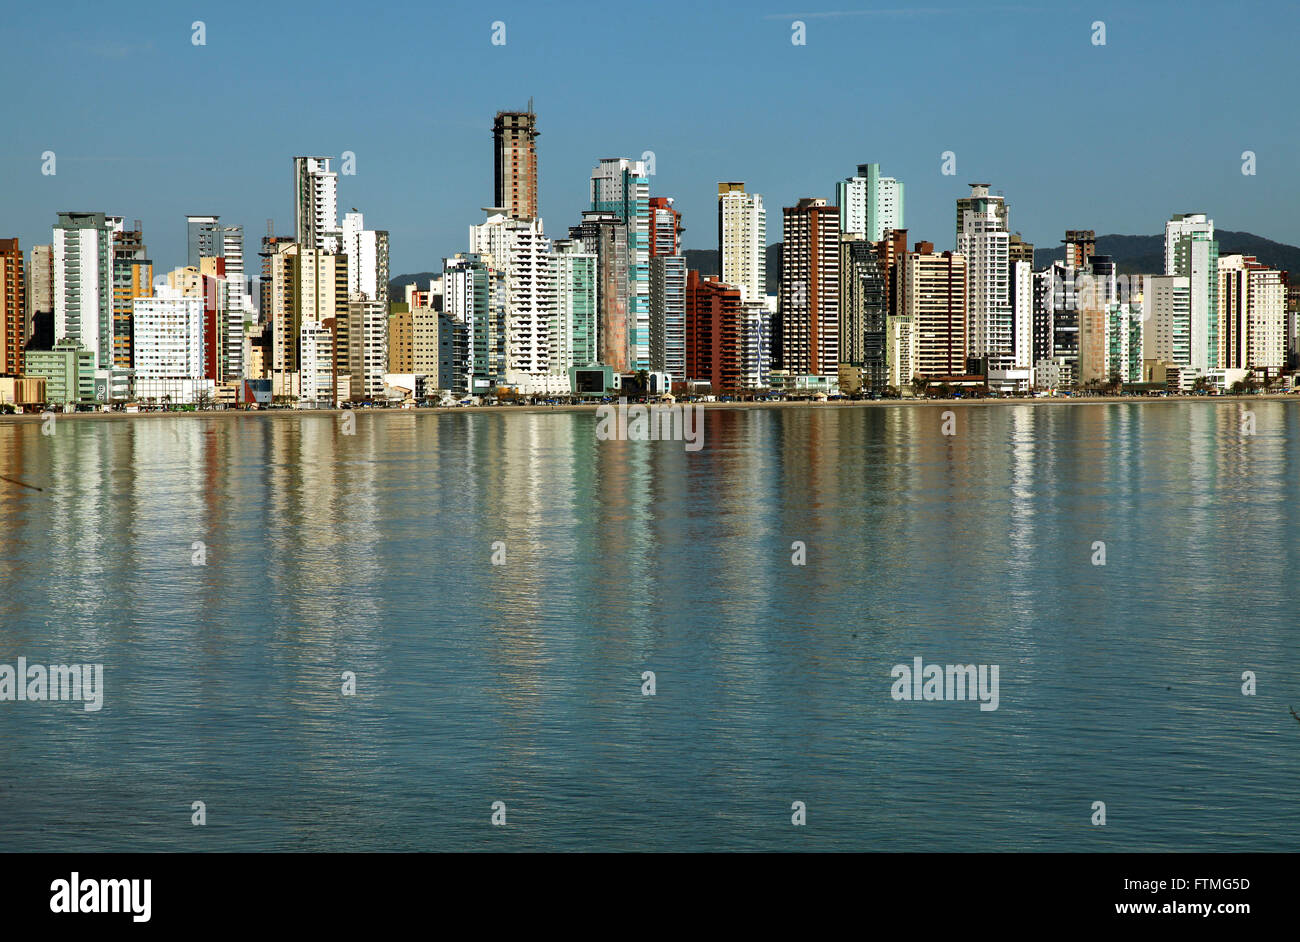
point(147, 125)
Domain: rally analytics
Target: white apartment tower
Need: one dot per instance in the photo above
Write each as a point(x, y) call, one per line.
point(367, 252)
point(316, 204)
point(83, 283)
point(1192, 252)
point(742, 241)
point(168, 335)
point(520, 248)
point(982, 237)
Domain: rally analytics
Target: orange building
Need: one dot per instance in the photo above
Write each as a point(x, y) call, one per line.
point(13, 308)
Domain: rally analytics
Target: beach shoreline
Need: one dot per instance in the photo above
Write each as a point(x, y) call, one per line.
point(591, 407)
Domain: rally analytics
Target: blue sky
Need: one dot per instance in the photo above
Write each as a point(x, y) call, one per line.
point(1113, 138)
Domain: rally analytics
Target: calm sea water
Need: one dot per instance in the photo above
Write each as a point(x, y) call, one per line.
point(522, 683)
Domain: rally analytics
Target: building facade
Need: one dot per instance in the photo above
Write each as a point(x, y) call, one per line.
point(870, 204)
point(742, 240)
point(810, 288)
point(514, 151)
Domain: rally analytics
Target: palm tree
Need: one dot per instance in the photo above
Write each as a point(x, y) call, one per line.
point(919, 384)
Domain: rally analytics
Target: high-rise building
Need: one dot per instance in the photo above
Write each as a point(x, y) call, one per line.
point(367, 254)
point(604, 235)
point(1110, 342)
point(83, 283)
point(1098, 321)
point(40, 298)
point(622, 187)
point(279, 304)
point(810, 289)
point(900, 347)
point(572, 332)
point(1020, 284)
point(667, 290)
point(239, 304)
point(170, 344)
point(520, 248)
point(1018, 250)
point(204, 239)
point(756, 343)
point(475, 296)
point(1192, 251)
point(315, 204)
point(889, 252)
point(13, 308)
point(1166, 313)
point(208, 284)
point(665, 227)
point(982, 237)
point(132, 278)
point(308, 287)
point(267, 254)
point(514, 148)
point(1055, 321)
point(863, 300)
point(424, 340)
point(933, 297)
point(870, 204)
point(367, 347)
point(982, 202)
point(742, 240)
point(401, 339)
point(715, 333)
point(317, 363)
point(668, 316)
point(1080, 245)
point(1252, 316)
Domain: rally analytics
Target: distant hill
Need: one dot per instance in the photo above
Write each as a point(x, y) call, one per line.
point(397, 286)
point(706, 262)
point(1133, 254)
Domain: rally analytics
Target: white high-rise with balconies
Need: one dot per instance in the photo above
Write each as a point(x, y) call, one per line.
point(169, 356)
point(520, 248)
point(316, 204)
point(1192, 251)
point(982, 237)
point(742, 241)
point(83, 282)
point(367, 252)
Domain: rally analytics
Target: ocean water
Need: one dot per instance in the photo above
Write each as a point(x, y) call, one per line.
point(522, 683)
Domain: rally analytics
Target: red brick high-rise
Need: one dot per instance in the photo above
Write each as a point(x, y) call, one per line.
point(714, 333)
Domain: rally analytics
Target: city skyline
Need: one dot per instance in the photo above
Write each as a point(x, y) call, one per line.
point(1139, 157)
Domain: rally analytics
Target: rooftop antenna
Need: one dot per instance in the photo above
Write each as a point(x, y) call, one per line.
point(530, 104)
point(270, 228)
